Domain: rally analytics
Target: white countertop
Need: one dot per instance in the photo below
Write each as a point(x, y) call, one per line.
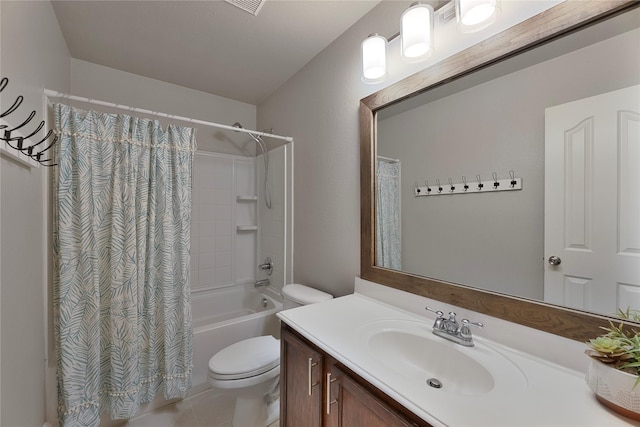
point(546, 394)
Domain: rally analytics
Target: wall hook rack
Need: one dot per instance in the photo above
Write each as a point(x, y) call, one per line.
point(13, 137)
point(493, 185)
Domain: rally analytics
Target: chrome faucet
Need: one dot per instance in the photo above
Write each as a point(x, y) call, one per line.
point(451, 330)
point(267, 266)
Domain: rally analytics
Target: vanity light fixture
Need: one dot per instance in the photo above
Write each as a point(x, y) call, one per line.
point(475, 15)
point(374, 59)
point(416, 32)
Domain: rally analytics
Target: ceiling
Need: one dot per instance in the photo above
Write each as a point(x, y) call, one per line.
point(211, 46)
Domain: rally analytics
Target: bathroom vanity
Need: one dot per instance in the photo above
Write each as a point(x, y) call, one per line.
point(311, 381)
point(358, 361)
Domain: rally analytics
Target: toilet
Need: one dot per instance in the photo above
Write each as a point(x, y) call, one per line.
point(249, 370)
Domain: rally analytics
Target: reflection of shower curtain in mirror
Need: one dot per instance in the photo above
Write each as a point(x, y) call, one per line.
point(121, 293)
point(388, 215)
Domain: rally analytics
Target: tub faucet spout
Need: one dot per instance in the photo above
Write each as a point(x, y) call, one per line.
point(263, 282)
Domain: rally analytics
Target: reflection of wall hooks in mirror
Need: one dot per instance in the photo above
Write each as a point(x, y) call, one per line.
point(11, 138)
point(492, 186)
point(496, 184)
point(512, 175)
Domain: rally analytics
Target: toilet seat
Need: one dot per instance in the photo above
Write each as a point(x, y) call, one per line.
point(245, 359)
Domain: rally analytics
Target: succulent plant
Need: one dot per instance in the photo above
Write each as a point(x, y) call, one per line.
point(618, 347)
point(607, 348)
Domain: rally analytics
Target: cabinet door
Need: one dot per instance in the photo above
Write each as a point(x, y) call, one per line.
point(349, 404)
point(300, 383)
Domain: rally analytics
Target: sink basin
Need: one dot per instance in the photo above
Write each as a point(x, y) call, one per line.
point(409, 349)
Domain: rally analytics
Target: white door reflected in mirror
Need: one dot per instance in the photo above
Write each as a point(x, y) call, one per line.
point(592, 202)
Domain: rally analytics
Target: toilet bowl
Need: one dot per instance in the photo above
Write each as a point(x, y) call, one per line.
point(249, 370)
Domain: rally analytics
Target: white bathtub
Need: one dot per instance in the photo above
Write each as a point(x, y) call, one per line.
point(224, 316)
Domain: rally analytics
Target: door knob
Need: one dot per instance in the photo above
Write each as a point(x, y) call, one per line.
point(554, 260)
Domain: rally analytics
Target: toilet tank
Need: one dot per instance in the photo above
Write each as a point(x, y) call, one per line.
point(295, 295)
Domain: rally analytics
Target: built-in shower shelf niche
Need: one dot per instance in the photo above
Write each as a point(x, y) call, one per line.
point(242, 198)
point(247, 228)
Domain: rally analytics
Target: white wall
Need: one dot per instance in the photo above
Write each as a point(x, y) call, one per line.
point(34, 56)
point(319, 107)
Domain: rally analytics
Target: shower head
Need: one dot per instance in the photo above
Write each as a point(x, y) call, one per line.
point(265, 157)
point(256, 138)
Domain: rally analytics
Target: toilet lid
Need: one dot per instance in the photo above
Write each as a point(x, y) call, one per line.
point(304, 294)
point(246, 358)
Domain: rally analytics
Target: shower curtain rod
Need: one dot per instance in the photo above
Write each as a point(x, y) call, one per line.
point(53, 94)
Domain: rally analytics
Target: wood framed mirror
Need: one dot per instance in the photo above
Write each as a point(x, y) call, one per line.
point(565, 18)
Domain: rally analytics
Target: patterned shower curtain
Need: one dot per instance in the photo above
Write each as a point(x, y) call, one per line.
point(122, 309)
point(388, 232)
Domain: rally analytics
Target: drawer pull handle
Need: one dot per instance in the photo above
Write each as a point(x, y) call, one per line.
point(311, 365)
point(329, 401)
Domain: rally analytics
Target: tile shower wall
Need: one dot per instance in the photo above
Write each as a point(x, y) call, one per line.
point(223, 223)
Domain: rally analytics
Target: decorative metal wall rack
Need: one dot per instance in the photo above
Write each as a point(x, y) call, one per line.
point(12, 137)
point(466, 187)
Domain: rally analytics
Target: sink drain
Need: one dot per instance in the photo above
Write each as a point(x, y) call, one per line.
point(434, 382)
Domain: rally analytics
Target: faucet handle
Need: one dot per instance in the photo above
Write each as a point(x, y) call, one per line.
point(438, 312)
point(464, 331)
point(438, 324)
point(468, 322)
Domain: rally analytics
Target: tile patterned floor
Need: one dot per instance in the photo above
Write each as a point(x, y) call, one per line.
point(207, 409)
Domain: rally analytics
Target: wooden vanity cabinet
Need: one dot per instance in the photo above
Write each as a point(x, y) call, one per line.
point(317, 391)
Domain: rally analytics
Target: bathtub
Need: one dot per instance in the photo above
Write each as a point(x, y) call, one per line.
point(224, 316)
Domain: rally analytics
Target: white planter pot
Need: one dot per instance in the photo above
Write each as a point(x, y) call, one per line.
point(614, 389)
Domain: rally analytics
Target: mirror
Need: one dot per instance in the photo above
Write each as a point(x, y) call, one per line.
point(440, 232)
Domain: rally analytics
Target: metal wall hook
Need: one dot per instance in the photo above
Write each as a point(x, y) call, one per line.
point(495, 184)
point(7, 137)
point(512, 175)
point(14, 107)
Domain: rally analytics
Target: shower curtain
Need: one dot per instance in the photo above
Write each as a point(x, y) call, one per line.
point(388, 215)
point(122, 309)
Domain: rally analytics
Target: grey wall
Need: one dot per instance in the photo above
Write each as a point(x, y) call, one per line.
point(34, 56)
point(494, 241)
point(111, 85)
point(319, 107)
